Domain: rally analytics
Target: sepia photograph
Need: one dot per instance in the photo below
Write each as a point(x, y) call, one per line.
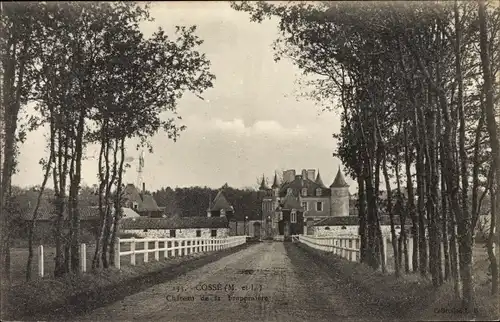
point(250, 161)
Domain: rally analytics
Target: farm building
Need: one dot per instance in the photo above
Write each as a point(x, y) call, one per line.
point(176, 227)
point(141, 202)
point(349, 225)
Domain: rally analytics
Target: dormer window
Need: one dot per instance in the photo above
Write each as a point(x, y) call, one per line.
point(304, 192)
point(293, 217)
point(289, 191)
point(318, 192)
point(135, 205)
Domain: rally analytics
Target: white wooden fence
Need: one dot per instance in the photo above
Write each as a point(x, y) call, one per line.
point(345, 246)
point(171, 247)
point(41, 258)
point(348, 246)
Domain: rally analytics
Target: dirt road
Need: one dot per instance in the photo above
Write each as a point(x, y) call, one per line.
point(270, 281)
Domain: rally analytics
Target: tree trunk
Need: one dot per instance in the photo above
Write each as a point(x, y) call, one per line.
point(411, 203)
point(34, 218)
point(464, 223)
point(362, 218)
point(490, 246)
point(394, 238)
point(491, 123)
point(421, 205)
point(117, 203)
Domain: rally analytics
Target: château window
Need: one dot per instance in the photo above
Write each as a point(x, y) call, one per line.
point(172, 233)
point(213, 233)
point(198, 233)
point(293, 217)
point(304, 205)
point(318, 192)
point(319, 206)
point(304, 192)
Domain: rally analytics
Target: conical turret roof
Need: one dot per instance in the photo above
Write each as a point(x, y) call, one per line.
point(275, 182)
point(263, 184)
point(319, 181)
point(339, 181)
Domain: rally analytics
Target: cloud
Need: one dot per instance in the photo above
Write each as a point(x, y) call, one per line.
point(259, 128)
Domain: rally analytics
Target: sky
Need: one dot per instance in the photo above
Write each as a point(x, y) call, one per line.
point(251, 122)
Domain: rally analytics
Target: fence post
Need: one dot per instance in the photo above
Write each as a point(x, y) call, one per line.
point(165, 254)
point(132, 249)
point(157, 250)
point(83, 257)
point(410, 252)
point(384, 246)
point(146, 251)
point(40, 260)
point(117, 253)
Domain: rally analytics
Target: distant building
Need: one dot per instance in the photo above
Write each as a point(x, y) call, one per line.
point(176, 227)
point(220, 207)
point(349, 225)
point(301, 200)
point(141, 202)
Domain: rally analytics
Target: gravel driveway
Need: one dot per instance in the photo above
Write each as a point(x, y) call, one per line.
point(259, 283)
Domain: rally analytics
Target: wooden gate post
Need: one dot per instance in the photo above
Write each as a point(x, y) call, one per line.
point(83, 257)
point(117, 253)
point(40, 260)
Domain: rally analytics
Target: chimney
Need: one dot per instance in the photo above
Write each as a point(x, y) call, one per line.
point(311, 174)
point(289, 175)
point(143, 187)
point(304, 174)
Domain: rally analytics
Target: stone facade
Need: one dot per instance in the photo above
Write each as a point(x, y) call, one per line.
point(179, 233)
point(294, 205)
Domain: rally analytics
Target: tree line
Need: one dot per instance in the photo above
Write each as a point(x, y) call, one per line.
point(415, 87)
point(93, 78)
point(195, 201)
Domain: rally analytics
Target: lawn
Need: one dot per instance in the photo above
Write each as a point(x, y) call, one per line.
point(19, 258)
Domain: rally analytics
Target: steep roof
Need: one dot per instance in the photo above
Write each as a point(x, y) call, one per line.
point(129, 213)
point(275, 181)
point(299, 183)
point(339, 181)
point(145, 201)
point(319, 181)
point(174, 223)
point(220, 202)
point(148, 203)
point(263, 184)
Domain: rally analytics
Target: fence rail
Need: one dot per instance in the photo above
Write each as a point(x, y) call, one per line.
point(171, 247)
point(348, 247)
point(345, 246)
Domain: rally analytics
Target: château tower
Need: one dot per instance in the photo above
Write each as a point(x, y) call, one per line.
point(339, 196)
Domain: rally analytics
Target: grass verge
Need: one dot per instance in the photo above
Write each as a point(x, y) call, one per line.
point(72, 295)
point(409, 297)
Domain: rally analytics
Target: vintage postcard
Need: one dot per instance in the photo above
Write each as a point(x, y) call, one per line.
point(250, 161)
